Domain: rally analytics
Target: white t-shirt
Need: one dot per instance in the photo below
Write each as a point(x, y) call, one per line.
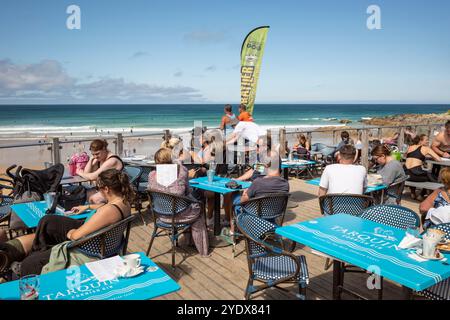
point(344, 178)
point(249, 130)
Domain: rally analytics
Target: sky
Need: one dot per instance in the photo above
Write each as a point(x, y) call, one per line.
point(188, 51)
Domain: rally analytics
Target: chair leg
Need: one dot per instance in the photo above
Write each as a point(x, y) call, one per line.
point(174, 241)
point(151, 240)
point(301, 292)
point(247, 289)
point(328, 264)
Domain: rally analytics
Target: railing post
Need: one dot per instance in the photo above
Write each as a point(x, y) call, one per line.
point(166, 135)
point(365, 148)
point(119, 144)
point(334, 137)
point(56, 153)
point(401, 138)
point(309, 137)
point(379, 133)
point(430, 134)
point(282, 139)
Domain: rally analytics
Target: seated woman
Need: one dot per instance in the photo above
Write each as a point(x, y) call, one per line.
point(390, 169)
point(302, 147)
point(437, 199)
point(415, 158)
point(102, 159)
point(181, 187)
point(34, 250)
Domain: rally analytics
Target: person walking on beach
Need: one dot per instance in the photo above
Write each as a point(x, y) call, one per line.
point(228, 120)
point(244, 115)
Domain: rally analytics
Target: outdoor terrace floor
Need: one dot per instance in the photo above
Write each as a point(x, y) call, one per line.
point(222, 277)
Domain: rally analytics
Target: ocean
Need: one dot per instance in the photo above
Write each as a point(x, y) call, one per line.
point(16, 120)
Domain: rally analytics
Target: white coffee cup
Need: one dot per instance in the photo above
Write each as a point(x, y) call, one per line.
point(132, 261)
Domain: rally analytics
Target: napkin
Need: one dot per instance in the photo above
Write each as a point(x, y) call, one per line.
point(409, 241)
point(414, 256)
point(439, 215)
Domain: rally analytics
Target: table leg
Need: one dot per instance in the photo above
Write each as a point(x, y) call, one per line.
point(286, 173)
point(406, 293)
point(217, 214)
point(336, 280)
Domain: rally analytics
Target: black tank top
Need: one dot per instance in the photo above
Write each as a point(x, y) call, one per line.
point(120, 210)
point(416, 154)
point(113, 156)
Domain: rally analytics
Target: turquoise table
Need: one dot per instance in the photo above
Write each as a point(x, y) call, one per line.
point(380, 187)
point(295, 164)
point(31, 212)
point(368, 245)
point(54, 285)
point(217, 187)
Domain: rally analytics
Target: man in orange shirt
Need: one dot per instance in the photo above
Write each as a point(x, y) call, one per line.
point(243, 114)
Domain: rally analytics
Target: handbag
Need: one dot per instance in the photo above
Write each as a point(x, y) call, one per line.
point(72, 196)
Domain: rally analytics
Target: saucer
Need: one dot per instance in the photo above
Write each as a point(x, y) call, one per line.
point(419, 253)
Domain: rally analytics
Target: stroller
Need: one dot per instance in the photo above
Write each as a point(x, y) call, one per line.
point(27, 185)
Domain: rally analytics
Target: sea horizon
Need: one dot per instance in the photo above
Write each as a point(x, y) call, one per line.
point(83, 119)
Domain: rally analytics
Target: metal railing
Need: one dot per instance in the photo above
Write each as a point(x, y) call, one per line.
point(282, 134)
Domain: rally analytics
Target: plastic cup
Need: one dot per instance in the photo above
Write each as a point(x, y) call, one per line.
point(210, 175)
point(29, 287)
point(49, 198)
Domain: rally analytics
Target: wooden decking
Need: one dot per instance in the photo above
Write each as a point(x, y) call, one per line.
point(223, 277)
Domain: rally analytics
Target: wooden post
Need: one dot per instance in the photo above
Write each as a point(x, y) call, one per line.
point(430, 135)
point(282, 139)
point(365, 148)
point(379, 133)
point(309, 137)
point(166, 136)
point(334, 137)
point(119, 144)
point(401, 138)
point(56, 153)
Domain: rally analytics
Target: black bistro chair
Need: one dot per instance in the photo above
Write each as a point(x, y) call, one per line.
point(267, 261)
point(134, 174)
point(441, 290)
point(106, 242)
point(167, 205)
point(391, 215)
point(395, 191)
point(270, 207)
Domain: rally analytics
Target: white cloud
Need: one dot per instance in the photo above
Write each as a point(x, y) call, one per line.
point(48, 80)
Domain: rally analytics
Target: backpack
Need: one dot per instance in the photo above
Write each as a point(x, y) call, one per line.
point(72, 196)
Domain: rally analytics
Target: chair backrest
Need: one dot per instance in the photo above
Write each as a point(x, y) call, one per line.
point(106, 242)
point(254, 228)
point(392, 215)
point(269, 206)
point(168, 204)
point(133, 173)
point(352, 204)
point(395, 190)
point(144, 175)
point(443, 227)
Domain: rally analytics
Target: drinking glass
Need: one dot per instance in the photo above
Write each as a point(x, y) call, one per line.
point(210, 173)
point(29, 287)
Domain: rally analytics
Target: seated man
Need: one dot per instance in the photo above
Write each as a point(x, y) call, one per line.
point(344, 177)
point(267, 182)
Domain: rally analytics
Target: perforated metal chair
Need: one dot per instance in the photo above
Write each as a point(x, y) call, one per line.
point(168, 206)
point(267, 261)
point(270, 207)
point(352, 204)
point(106, 242)
point(134, 174)
point(390, 215)
point(395, 191)
point(441, 290)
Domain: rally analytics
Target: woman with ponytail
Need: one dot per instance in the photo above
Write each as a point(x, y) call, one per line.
point(34, 250)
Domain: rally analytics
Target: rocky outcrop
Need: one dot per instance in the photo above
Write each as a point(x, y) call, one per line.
point(408, 119)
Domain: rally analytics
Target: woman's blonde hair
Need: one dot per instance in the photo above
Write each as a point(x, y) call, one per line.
point(163, 156)
point(445, 176)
